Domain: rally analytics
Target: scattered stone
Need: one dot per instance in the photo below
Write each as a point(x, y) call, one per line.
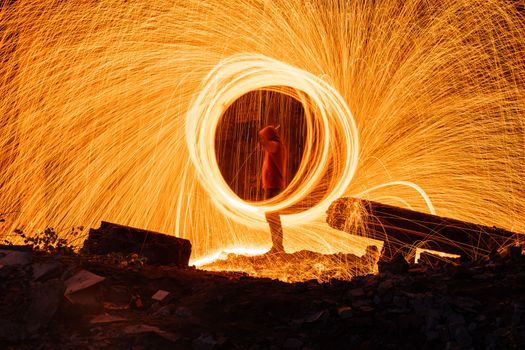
point(344, 312)
point(161, 296)
point(106, 318)
point(432, 308)
point(316, 316)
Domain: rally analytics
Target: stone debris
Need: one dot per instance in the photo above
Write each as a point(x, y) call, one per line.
point(442, 305)
point(161, 296)
point(106, 318)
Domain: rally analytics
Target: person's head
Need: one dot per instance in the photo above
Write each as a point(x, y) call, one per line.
point(269, 133)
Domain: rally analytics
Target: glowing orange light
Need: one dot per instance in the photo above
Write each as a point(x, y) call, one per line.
point(109, 107)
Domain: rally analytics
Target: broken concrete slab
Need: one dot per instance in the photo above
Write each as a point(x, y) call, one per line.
point(82, 280)
point(161, 296)
point(158, 248)
point(82, 290)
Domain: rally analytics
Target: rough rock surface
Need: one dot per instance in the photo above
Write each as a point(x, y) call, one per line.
point(431, 306)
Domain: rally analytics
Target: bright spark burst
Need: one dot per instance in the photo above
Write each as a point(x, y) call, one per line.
point(109, 110)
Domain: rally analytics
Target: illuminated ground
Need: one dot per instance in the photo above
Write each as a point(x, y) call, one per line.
point(299, 266)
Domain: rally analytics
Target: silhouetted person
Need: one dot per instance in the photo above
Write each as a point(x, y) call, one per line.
point(273, 179)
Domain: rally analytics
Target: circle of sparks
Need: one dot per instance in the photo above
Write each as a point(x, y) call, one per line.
point(333, 127)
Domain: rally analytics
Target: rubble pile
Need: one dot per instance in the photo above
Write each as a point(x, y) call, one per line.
point(84, 302)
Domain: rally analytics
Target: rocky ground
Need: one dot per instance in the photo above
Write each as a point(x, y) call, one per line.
point(88, 302)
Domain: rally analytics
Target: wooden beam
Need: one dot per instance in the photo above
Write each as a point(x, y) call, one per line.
point(402, 228)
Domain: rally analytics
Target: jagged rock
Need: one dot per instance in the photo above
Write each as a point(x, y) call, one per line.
point(162, 297)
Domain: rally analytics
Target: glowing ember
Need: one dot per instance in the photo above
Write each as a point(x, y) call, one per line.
point(110, 110)
point(299, 266)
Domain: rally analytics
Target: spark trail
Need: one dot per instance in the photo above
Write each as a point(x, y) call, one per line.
point(109, 110)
